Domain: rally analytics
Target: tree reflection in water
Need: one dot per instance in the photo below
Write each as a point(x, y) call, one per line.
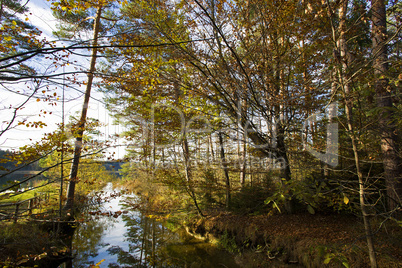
point(133, 240)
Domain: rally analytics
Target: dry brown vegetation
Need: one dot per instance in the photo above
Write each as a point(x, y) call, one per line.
point(304, 239)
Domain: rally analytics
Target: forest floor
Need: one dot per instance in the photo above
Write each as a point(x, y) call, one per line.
point(27, 244)
point(303, 239)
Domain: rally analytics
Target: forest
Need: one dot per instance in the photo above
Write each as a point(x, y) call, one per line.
point(232, 112)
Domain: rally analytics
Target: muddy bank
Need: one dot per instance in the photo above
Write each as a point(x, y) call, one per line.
point(304, 240)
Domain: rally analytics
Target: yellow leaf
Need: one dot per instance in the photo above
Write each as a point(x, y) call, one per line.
point(100, 262)
point(14, 22)
point(345, 199)
point(8, 38)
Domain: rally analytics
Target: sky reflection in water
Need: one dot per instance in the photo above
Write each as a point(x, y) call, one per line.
point(133, 240)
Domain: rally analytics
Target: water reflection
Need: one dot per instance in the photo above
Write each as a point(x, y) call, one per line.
point(133, 240)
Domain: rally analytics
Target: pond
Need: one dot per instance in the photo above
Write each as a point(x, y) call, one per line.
point(115, 235)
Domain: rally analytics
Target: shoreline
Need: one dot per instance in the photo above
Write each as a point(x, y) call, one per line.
point(298, 240)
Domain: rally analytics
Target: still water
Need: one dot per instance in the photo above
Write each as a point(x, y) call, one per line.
point(117, 236)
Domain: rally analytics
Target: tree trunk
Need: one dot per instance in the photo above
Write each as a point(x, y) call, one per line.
point(212, 148)
point(225, 170)
point(1, 10)
point(388, 132)
point(348, 101)
point(189, 181)
point(285, 168)
point(153, 258)
point(243, 165)
point(81, 123)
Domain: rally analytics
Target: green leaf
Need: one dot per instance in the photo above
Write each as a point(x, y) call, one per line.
point(328, 258)
point(310, 209)
point(276, 206)
point(346, 264)
point(267, 201)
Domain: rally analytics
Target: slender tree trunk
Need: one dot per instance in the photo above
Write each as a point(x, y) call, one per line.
point(187, 166)
point(280, 120)
point(285, 169)
point(225, 169)
point(212, 148)
point(242, 143)
point(388, 132)
point(243, 165)
point(282, 153)
point(186, 154)
point(153, 243)
point(348, 101)
point(238, 143)
point(82, 122)
point(163, 157)
point(144, 218)
point(153, 149)
point(1, 10)
point(250, 168)
point(208, 159)
point(146, 237)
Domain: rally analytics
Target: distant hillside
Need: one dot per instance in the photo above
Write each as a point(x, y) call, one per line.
point(6, 166)
point(112, 166)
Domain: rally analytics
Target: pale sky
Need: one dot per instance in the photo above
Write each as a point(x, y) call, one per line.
point(42, 18)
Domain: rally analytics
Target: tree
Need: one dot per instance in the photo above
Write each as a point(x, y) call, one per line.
point(346, 88)
point(255, 66)
point(384, 94)
point(81, 124)
point(70, 12)
point(18, 36)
